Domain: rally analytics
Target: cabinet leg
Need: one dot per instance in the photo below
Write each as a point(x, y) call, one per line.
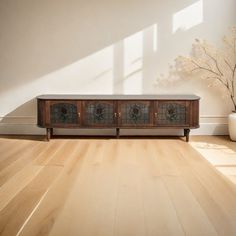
point(186, 134)
point(48, 135)
point(117, 132)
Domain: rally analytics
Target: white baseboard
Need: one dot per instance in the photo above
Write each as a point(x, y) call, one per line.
point(211, 129)
point(32, 129)
point(24, 129)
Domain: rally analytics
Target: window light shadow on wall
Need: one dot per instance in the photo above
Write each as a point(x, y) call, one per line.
point(117, 68)
point(222, 157)
point(133, 63)
point(155, 38)
point(131, 56)
point(188, 17)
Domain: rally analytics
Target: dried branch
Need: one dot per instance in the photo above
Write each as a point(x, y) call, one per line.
point(213, 63)
point(227, 63)
point(213, 59)
point(203, 68)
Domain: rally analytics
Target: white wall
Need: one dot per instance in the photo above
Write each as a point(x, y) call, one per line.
point(104, 47)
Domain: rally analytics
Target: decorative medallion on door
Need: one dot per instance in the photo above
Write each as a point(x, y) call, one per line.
point(63, 113)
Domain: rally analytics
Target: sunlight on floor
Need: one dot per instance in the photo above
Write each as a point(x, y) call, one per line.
point(220, 156)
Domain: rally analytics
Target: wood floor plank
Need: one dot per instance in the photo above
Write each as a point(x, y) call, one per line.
point(94, 211)
point(6, 145)
point(217, 216)
point(44, 217)
point(160, 213)
point(26, 158)
point(221, 149)
point(34, 191)
point(165, 155)
point(15, 153)
point(52, 149)
point(20, 179)
point(216, 140)
point(209, 178)
point(192, 217)
point(130, 211)
point(109, 187)
point(60, 158)
point(165, 165)
point(14, 215)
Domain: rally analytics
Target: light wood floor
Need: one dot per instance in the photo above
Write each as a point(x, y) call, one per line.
point(113, 187)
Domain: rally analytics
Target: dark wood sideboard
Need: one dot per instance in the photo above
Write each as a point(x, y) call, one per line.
point(118, 111)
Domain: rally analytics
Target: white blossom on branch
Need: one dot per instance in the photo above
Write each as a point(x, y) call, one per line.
point(217, 65)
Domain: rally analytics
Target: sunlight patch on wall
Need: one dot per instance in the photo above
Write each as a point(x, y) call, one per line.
point(155, 39)
point(133, 63)
point(188, 17)
point(87, 75)
point(97, 71)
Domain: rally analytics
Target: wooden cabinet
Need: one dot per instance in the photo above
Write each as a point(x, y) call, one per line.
point(118, 111)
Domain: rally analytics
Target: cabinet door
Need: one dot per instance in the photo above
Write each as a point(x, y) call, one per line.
point(135, 113)
point(63, 113)
point(172, 113)
point(99, 114)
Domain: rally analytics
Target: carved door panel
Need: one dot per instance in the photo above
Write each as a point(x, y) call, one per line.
point(99, 114)
point(135, 113)
point(63, 113)
point(172, 113)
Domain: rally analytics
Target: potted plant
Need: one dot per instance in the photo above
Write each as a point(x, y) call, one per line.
point(216, 65)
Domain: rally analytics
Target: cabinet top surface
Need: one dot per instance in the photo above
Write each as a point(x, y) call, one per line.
point(118, 97)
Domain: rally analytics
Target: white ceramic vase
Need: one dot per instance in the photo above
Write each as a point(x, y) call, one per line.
point(232, 125)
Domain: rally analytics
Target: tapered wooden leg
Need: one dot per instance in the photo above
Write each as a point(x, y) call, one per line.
point(48, 135)
point(186, 134)
point(117, 132)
